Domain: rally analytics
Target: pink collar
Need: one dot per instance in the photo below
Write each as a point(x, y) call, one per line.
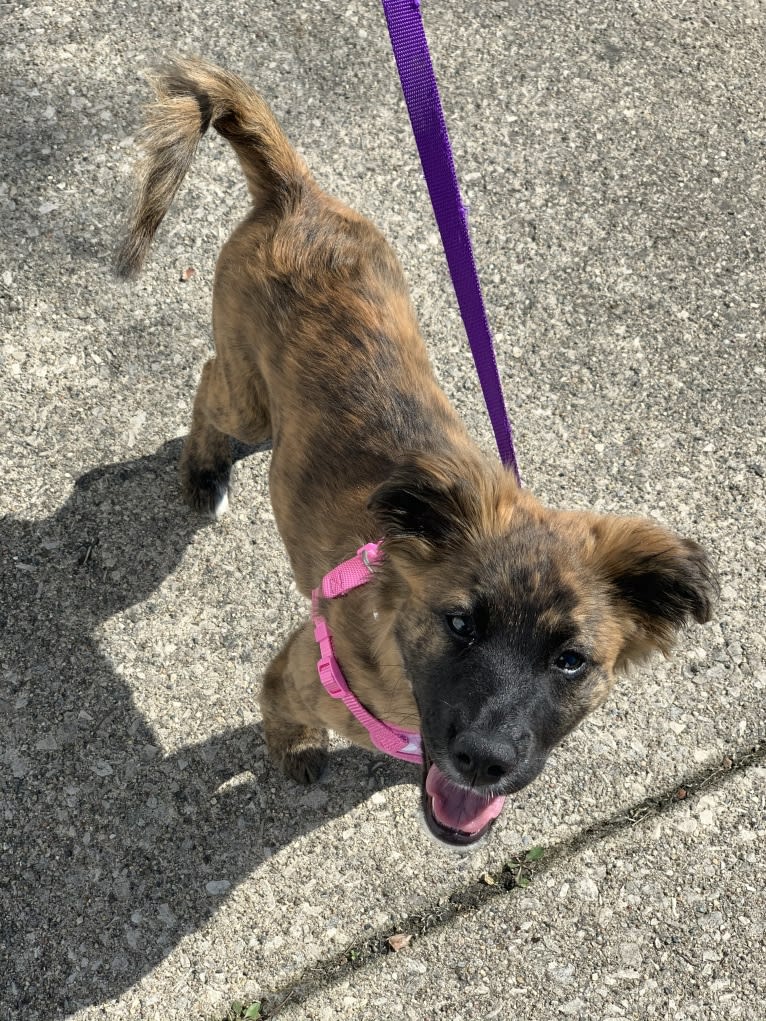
point(402, 744)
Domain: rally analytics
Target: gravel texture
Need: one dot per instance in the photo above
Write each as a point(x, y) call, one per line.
point(618, 931)
point(152, 863)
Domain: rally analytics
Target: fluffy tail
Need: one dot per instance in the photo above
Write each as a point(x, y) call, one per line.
point(190, 96)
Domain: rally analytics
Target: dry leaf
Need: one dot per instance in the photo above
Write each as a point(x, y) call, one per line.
point(188, 273)
point(399, 940)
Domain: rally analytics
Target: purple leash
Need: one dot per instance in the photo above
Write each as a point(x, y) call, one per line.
point(421, 94)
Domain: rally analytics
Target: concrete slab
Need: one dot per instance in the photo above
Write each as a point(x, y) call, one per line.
point(153, 863)
point(660, 920)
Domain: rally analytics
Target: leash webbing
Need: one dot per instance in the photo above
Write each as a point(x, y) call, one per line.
point(421, 94)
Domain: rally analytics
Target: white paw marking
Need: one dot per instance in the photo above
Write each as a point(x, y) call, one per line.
point(222, 506)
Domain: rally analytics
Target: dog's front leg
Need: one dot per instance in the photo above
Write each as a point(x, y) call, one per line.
point(296, 739)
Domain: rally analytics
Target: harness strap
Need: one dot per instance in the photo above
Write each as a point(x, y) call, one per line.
point(396, 741)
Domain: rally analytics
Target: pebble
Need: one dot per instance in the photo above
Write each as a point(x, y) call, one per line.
point(218, 886)
point(166, 916)
point(573, 1007)
point(564, 974)
point(588, 889)
point(631, 955)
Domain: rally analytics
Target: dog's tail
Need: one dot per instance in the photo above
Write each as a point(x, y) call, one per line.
point(192, 95)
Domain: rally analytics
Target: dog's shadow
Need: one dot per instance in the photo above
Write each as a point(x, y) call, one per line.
point(110, 852)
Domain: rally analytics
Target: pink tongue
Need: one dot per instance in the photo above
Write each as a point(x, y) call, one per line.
point(457, 808)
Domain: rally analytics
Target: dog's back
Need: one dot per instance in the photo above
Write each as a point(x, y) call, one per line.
point(191, 96)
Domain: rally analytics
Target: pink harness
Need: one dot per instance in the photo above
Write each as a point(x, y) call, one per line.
point(396, 741)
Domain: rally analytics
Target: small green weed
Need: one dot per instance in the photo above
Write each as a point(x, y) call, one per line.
point(239, 1012)
point(522, 868)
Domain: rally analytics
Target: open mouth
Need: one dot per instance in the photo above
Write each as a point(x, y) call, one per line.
point(455, 815)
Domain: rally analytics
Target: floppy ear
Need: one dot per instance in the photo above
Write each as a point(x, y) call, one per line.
point(658, 579)
point(424, 501)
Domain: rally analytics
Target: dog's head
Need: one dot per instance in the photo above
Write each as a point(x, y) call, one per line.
point(511, 621)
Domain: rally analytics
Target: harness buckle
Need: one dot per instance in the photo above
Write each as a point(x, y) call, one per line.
point(369, 551)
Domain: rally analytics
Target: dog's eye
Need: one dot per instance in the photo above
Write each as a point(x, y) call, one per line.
point(571, 663)
point(462, 625)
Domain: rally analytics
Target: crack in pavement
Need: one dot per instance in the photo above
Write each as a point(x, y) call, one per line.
point(513, 875)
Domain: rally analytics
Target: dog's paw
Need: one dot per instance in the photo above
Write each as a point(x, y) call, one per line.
point(306, 765)
point(207, 491)
point(222, 506)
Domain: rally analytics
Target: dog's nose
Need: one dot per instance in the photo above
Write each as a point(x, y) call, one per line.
point(484, 761)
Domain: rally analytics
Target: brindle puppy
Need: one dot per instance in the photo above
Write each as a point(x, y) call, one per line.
point(494, 624)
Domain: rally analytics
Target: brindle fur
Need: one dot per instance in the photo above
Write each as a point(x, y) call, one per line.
point(317, 348)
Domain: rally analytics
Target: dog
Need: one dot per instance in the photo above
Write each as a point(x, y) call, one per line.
point(492, 625)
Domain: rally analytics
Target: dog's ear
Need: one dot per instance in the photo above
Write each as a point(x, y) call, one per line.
point(658, 579)
point(424, 501)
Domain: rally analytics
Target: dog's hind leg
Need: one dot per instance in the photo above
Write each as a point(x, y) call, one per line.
point(221, 410)
point(299, 748)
